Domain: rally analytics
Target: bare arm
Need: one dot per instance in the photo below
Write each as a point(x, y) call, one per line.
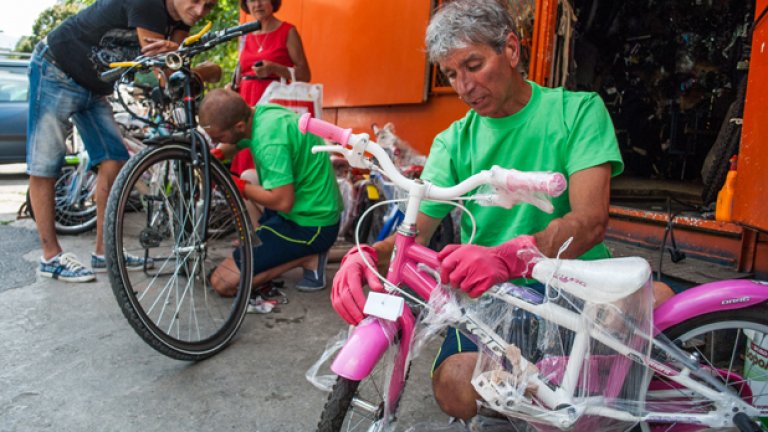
point(155, 43)
point(299, 59)
point(280, 198)
point(589, 194)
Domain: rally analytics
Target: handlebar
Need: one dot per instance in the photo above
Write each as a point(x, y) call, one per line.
point(191, 46)
point(231, 32)
point(513, 186)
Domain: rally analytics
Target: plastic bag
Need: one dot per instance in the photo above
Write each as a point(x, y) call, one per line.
point(298, 96)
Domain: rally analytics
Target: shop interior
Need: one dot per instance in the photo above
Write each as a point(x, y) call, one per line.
point(670, 72)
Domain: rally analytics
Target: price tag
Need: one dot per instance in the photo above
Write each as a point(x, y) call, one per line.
point(384, 306)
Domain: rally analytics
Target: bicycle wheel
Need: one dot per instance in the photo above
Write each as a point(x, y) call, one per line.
point(172, 305)
point(357, 405)
point(717, 341)
point(75, 207)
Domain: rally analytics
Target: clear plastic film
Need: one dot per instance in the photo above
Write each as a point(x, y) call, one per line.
point(325, 382)
point(511, 187)
point(592, 379)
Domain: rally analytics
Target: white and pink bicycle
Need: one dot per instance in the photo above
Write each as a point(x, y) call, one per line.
point(589, 354)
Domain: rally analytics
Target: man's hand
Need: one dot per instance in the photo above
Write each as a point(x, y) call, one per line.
point(155, 45)
point(347, 294)
point(474, 269)
point(240, 183)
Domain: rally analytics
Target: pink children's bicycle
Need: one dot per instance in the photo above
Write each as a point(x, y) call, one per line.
point(587, 354)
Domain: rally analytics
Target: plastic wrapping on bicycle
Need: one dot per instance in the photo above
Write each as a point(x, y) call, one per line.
point(508, 186)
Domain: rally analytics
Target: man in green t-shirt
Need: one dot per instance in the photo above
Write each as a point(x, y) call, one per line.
point(298, 190)
point(513, 123)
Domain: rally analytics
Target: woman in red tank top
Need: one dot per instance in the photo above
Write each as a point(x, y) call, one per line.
point(276, 48)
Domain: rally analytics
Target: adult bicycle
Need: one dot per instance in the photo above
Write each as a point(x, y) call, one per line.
point(177, 207)
point(587, 354)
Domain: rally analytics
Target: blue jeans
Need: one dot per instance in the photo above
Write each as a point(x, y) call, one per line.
point(54, 98)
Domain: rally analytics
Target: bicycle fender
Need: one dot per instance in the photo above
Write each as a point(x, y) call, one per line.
point(708, 298)
point(363, 349)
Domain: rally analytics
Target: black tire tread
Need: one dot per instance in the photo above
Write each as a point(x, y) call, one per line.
point(116, 281)
point(338, 403)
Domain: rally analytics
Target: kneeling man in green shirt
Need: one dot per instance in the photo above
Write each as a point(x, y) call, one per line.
point(298, 190)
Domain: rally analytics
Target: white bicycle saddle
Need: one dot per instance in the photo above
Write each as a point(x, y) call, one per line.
point(599, 281)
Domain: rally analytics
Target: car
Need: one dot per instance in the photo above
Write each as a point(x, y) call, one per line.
point(14, 103)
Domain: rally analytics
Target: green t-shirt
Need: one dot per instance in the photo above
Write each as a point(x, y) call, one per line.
point(557, 130)
point(283, 156)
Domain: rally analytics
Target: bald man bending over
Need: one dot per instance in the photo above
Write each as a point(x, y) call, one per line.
point(298, 190)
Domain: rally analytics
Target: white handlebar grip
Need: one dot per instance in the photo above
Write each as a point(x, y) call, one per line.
point(552, 184)
point(324, 129)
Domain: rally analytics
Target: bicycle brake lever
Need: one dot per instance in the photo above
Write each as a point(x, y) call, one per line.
point(348, 154)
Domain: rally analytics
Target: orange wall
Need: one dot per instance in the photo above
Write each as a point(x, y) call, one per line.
point(750, 202)
point(371, 60)
point(364, 53)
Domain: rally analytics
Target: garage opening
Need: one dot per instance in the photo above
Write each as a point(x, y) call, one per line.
point(673, 77)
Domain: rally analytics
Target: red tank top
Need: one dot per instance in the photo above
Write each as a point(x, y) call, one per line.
point(272, 46)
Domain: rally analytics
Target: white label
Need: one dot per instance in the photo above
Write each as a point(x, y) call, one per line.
point(384, 306)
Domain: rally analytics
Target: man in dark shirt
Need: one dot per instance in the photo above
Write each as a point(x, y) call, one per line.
point(64, 84)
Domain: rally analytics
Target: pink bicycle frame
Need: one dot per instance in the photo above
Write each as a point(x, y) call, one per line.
point(369, 341)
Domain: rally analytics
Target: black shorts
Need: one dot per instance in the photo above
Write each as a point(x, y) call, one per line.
point(283, 241)
point(456, 342)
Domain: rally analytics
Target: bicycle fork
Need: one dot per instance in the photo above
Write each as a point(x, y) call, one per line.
point(366, 346)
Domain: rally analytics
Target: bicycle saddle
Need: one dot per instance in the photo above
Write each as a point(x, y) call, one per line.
point(599, 281)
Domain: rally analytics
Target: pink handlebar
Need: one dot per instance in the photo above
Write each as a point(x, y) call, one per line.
point(324, 129)
point(552, 184)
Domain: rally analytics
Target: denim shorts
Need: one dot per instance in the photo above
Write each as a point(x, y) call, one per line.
point(54, 99)
point(283, 241)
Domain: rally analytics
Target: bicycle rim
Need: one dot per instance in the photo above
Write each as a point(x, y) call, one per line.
point(75, 207)
point(155, 211)
point(718, 341)
point(357, 406)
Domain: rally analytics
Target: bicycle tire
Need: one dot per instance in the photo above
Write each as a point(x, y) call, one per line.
point(357, 405)
point(166, 227)
point(725, 146)
point(697, 336)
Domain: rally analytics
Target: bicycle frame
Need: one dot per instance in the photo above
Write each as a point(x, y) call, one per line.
point(413, 265)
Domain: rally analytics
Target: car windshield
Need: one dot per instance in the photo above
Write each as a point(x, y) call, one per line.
point(14, 84)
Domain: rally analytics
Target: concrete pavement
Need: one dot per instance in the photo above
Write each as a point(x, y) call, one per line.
point(69, 361)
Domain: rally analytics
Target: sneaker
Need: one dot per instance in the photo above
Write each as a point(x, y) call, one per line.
point(65, 267)
point(314, 280)
point(132, 263)
point(260, 306)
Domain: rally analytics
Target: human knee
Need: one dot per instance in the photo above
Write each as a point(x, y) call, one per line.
point(224, 280)
point(661, 293)
point(452, 387)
